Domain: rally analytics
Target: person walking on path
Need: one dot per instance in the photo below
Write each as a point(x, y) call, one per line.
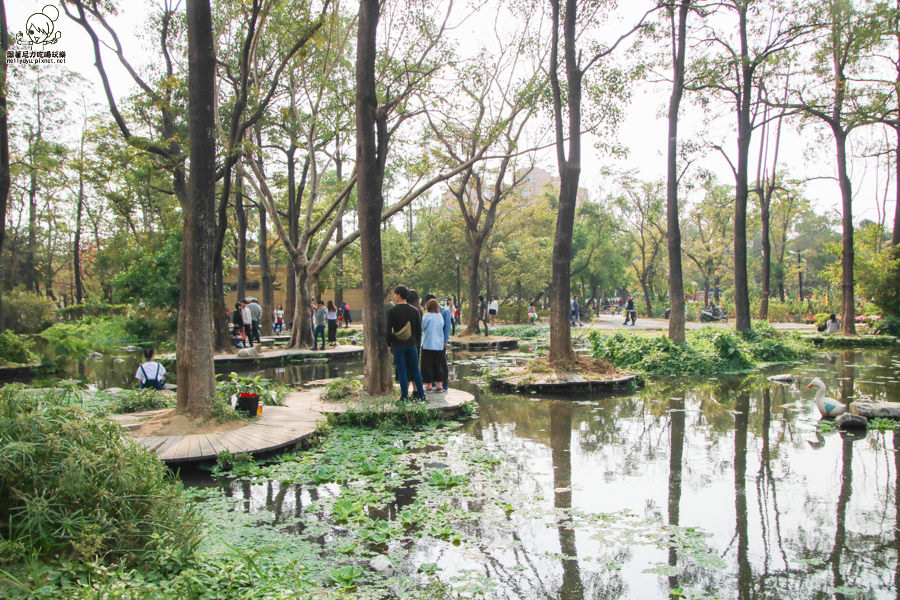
point(320, 318)
point(151, 374)
point(255, 317)
point(347, 318)
point(532, 313)
point(278, 315)
point(404, 335)
point(482, 316)
point(332, 317)
point(248, 322)
point(452, 310)
point(575, 316)
point(630, 312)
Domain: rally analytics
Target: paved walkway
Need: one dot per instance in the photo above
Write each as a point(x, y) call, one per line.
point(278, 427)
point(606, 322)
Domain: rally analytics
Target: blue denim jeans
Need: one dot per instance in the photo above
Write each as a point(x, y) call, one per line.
point(406, 361)
point(320, 330)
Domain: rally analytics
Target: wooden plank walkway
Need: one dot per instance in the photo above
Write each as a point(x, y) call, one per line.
point(278, 427)
point(276, 357)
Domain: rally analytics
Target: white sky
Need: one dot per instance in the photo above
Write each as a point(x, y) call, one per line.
point(644, 130)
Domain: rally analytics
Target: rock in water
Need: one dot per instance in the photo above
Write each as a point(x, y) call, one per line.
point(786, 378)
point(95, 356)
point(849, 421)
point(119, 361)
point(871, 410)
point(252, 352)
point(380, 563)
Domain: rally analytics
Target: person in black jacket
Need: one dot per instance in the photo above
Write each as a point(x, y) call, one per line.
point(404, 336)
point(237, 321)
point(630, 312)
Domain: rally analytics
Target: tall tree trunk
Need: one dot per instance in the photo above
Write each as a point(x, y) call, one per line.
point(301, 332)
point(339, 234)
point(848, 308)
point(741, 295)
point(241, 215)
point(647, 300)
point(5, 180)
point(673, 227)
point(766, 258)
point(569, 173)
point(31, 242)
point(474, 288)
point(370, 159)
point(76, 245)
point(194, 349)
point(265, 273)
point(895, 236)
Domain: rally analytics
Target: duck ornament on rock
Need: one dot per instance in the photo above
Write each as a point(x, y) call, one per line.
point(829, 407)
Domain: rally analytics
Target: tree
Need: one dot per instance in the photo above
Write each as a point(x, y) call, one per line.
point(673, 227)
point(568, 151)
point(4, 132)
point(741, 73)
point(641, 215)
point(194, 345)
point(709, 233)
point(371, 148)
point(842, 34)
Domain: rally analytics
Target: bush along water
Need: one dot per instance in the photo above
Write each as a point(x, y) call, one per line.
point(708, 350)
point(16, 350)
point(74, 488)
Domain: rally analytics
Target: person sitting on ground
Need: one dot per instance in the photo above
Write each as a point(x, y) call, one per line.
point(832, 325)
point(404, 335)
point(151, 374)
point(321, 317)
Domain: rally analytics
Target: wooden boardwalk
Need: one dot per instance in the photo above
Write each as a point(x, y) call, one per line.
point(278, 427)
point(277, 357)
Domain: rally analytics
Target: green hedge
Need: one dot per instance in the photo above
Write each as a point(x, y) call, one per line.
point(706, 351)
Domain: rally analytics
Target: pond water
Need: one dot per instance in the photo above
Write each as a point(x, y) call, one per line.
point(721, 487)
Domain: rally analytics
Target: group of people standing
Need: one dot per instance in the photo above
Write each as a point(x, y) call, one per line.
point(328, 316)
point(411, 328)
point(245, 323)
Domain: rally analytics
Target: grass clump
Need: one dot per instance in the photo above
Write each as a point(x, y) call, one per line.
point(706, 351)
point(343, 390)
point(16, 350)
point(73, 487)
point(132, 401)
point(523, 332)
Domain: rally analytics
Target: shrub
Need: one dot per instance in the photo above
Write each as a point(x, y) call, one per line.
point(73, 486)
point(131, 401)
point(706, 351)
point(523, 332)
point(146, 323)
point(16, 349)
point(342, 390)
point(26, 312)
point(75, 312)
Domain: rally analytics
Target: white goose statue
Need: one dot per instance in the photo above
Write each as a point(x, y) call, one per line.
point(829, 407)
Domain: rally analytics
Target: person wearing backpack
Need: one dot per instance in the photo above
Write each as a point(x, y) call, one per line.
point(151, 374)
